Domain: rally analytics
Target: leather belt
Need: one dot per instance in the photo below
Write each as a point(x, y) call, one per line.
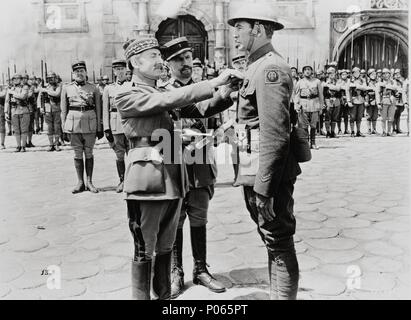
point(82, 109)
point(113, 110)
point(142, 142)
point(309, 97)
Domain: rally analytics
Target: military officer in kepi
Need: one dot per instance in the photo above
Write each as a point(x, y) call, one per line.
point(268, 168)
point(202, 174)
point(81, 116)
point(156, 180)
point(113, 128)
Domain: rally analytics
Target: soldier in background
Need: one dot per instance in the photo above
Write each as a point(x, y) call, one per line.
point(32, 104)
point(401, 99)
point(3, 93)
point(49, 101)
point(36, 90)
point(39, 116)
point(372, 108)
point(356, 101)
point(343, 83)
point(386, 102)
point(17, 102)
point(202, 176)
point(379, 75)
point(309, 101)
point(363, 75)
point(332, 98)
point(129, 75)
point(81, 115)
point(112, 126)
point(198, 71)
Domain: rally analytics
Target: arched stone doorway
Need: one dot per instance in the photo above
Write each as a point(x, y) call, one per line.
point(380, 39)
point(189, 27)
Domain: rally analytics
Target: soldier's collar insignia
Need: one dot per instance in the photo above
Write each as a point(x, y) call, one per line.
point(271, 76)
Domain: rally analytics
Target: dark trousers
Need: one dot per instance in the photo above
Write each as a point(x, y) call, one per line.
point(277, 236)
point(397, 117)
point(153, 225)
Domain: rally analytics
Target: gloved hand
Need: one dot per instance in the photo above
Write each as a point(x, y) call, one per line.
point(109, 135)
point(100, 135)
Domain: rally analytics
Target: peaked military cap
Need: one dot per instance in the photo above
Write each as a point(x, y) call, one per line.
point(141, 44)
point(238, 58)
point(78, 65)
point(119, 63)
point(255, 12)
point(379, 71)
point(175, 47)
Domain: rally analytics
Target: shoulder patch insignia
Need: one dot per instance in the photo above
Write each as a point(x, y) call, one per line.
point(271, 76)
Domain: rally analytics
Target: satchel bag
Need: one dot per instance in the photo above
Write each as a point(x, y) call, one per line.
point(299, 145)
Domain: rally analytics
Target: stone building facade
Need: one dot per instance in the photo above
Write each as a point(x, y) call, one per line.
point(317, 31)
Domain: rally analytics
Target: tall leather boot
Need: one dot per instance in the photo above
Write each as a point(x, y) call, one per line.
point(312, 139)
point(79, 165)
point(162, 273)
point(177, 273)
point(201, 276)
point(121, 169)
point(283, 271)
point(89, 174)
point(140, 280)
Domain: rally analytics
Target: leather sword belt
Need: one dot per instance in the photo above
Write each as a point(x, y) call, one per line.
point(82, 109)
point(309, 97)
point(142, 142)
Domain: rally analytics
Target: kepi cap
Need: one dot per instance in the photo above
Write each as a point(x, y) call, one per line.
point(175, 47)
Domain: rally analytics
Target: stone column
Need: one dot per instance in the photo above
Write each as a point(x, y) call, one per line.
point(220, 34)
point(142, 26)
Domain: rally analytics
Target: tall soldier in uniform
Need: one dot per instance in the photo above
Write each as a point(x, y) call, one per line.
point(372, 108)
point(309, 101)
point(268, 169)
point(400, 100)
point(386, 101)
point(49, 101)
point(332, 98)
point(202, 176)
point(80, 115)
point(356, 101)
point(32, 107)
point(36, 90)
point(343, 83)
point(155, 183)
point(17, 102)
point(113, 129)
point(3, 93)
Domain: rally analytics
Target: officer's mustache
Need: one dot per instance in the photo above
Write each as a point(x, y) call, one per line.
point(159, 66)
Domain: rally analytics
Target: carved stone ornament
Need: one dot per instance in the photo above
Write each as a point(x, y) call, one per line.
point(340, 25)
point(389, 4)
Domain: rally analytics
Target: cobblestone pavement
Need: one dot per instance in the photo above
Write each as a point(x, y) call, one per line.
point(351, 204)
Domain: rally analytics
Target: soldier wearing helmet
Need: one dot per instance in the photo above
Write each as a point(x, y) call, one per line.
point(386, 102)
point(49, 100)
point(3, 92)
point(332, 99)
point(17, 102)
point(268, 176)
point(309, 101)
point(372, 108)
point(400, 100)
point(343, 83)
point(356, 101)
